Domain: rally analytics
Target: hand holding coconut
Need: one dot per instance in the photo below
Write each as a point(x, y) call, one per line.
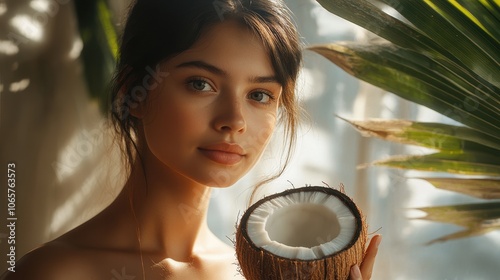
point(365, 272)
point(305, 233)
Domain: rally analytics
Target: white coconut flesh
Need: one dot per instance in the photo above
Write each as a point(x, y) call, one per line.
point(302, 225)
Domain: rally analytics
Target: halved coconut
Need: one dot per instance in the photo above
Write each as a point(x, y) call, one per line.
point(304, 233)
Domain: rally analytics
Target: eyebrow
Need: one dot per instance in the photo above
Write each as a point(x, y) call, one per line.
point(214, 69)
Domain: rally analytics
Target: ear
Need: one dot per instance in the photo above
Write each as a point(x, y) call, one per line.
point(132, 98)
point(137, 108)
point(135, 100)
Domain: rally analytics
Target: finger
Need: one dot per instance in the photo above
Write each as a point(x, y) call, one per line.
point(355, 273)
point(369, 260)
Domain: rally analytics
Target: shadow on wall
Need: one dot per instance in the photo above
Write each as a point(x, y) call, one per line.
point(50, 129)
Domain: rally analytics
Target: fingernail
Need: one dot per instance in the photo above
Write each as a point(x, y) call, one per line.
point(355, 272)
point(379, 239)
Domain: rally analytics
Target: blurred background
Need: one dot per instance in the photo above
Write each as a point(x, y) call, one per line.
point(55, 59)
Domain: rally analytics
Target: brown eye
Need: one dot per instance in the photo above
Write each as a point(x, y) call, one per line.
point(260, 96)
point(200, 85)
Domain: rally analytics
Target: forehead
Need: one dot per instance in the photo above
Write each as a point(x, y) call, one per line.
point(231, 46)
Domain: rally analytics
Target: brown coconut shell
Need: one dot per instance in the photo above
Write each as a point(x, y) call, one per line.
point(259, 264)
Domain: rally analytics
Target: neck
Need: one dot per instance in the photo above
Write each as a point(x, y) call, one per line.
point(169, 211)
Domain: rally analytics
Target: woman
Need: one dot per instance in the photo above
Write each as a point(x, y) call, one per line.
point(199, 89)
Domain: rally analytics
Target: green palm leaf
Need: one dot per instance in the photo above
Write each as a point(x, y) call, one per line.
point(100, 47)
point(470, 163)
point(418, 78)
point(477, 218)
point(429, 37)
point(444, 55)
point(477, 49)
point(480, 188)
point(443, 137)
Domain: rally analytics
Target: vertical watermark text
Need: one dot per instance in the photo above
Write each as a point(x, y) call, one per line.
point(11, 216)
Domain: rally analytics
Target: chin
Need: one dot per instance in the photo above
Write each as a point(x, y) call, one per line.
point(214, 179)
point(223, 177)
point(221, 184)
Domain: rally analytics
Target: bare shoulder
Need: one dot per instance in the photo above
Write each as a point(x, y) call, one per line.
point(53, 261)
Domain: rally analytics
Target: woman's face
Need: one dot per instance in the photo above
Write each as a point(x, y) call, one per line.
point(211, 117)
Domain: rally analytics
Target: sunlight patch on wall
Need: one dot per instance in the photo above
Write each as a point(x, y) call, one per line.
point(383, 183)
point(65, 213)
point(312, 162)
point(389, 106)
point(8, 47)
point(310, 84)
point(40, 5)
point(414, 214)
point(28, 27)
point(495, 237)
point(3, 8)
point(330, 25)
point(19, 86)
point(340, 88)
point(82, 146)
point(76, 49)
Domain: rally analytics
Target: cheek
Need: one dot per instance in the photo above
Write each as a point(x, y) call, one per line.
point(261, 133)
point(169, 122)
point(270, 124)
point(170, 111)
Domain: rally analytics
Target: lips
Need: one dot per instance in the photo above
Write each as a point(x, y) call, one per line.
point(223, 153)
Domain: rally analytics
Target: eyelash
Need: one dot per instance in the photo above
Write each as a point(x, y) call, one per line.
point(190, 82)
point(268, 94)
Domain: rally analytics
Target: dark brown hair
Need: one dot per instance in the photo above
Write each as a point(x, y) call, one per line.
point(159, 29)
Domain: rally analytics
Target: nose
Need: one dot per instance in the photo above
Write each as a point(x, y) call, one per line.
point(229, 116)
